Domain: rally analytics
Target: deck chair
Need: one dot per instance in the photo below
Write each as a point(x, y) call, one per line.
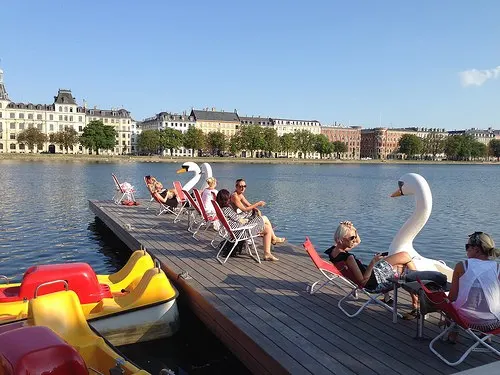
point(151, 199)
point(440, 301)
point(123, 191)
point(333, 273)
point(195, 216)
point(163, 207)
point(181, 201)
point(234, 236)
point(206, 219)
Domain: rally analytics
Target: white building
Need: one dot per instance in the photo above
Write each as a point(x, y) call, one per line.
point(163, 120)
point(51, 118)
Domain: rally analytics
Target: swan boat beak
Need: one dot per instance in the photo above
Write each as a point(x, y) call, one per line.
point(182, 170)
point(399, 192)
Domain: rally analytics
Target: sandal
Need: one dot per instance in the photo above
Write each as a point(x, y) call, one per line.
point(411, 315)
point(278, 240)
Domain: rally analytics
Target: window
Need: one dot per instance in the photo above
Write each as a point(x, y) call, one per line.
point(65, 118)
point(65, 109)
point(21, 115)
point(0, 114)
point(12, 146)
point(12, 115)
point(51, 127)
point(71, 109)
point(21, 126)
point(79, 118)
point(60, 117)
point(80, 128)
point(12, 126)
point(39, 117)
point(21, 146)
point(39, 126)
point(12, 136)
point(30, 116)
point(61, 128)
point(1, 127)
point(60, 109)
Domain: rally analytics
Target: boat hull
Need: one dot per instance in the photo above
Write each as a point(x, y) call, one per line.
point(142, 324)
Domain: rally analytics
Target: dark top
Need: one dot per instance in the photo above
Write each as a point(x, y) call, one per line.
point(342, 257)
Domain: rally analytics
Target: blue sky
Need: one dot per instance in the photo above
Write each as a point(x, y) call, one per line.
point(425, 63)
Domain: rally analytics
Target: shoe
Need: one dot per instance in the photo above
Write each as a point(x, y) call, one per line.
point(278, 240)
point(389, 302)
point(270, 258)
point(411, 315)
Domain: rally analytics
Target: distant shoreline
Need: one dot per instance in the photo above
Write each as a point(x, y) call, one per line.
point(163, 159)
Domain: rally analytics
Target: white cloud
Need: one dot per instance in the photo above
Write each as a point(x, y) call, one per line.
point(476, 77)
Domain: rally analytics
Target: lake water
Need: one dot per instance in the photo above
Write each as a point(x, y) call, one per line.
point(45, 216)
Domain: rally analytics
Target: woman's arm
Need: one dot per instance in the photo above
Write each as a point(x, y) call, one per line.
point(359, 277)
point(457, 273)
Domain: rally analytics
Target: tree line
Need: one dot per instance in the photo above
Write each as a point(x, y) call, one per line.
point(251, 138)
point(455, 147)
point(96, 136)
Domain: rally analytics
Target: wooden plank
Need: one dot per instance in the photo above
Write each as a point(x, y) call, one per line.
point(262, 312)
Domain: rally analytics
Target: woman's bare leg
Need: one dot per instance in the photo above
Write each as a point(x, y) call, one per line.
point(266, 242)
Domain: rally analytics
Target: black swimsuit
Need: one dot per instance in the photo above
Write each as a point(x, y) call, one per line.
point(342, 257)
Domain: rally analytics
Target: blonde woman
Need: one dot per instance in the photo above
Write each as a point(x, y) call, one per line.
point(206, 195)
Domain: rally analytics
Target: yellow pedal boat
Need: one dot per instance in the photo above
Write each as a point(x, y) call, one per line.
point(142, 308)
point(65, 344)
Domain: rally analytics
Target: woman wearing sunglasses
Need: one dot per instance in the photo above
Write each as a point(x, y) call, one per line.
point(475, 287)
point(374, 275)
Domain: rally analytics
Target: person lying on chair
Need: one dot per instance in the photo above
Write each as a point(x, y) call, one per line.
point(475, 287)
point(375, 275)
point(159, 192)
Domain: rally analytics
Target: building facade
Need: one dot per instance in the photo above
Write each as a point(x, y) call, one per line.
point(210, 121)
point(351, 136)
point(52, 118)
point(382, 143)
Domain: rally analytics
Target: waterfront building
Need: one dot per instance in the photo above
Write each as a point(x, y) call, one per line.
point(483, 136)
point(216, 121)
point(351, 136)
point(51, 118)
point(284, 126)
point(163, 120)
point(382, 143)
point(256, 120)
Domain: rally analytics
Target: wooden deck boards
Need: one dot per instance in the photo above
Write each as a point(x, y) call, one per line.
point(263, 313)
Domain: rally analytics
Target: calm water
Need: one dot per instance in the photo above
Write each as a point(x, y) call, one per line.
point(45, 216)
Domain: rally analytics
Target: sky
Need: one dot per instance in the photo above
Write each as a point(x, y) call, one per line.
point(391, 63)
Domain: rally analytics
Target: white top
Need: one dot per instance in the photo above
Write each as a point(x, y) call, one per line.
point(478, 300)
point(206, 198)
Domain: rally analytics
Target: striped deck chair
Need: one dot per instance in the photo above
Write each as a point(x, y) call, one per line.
point(151, 199)
point(123, 191)
point(164, 208)
point(195, 216)
point(181, 201)
point(206, 219)
point(440, 301)
point(234, 236)
point(333, 273)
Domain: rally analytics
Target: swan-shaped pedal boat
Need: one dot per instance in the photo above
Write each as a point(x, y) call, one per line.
point(138, 303)
point(56, 340)
point(205, 170)
point(414, 184)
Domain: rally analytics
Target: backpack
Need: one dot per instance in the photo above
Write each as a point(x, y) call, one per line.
point(228, 246)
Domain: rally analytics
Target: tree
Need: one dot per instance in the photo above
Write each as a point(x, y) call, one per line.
point(495, 148)
point(216, 142)
point(252, 138)
point(32, 137)
point(235, 143)
point(410, 144)
point(433, 144)
point(478, 150)
point(194, 139)
point(65, 138)
point(271, 140)
point(462, 147)
point(98, 136)
point(149, 141)
point(339, 147)
point(171, 139)
point(304, 141)
point(287, 143)
point(322, 145)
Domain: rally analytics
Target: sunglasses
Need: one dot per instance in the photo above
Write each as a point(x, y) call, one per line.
point(468, 246)
point(352, 238)
point(242, 186)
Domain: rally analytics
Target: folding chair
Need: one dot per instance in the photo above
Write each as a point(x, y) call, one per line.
point(207, 219)
point(439, 300)
point(332, 273)
point(195, 216)
point(181, 201)
point(151, 199)
point(122, 191)
point(234, 236)
point(163, 207)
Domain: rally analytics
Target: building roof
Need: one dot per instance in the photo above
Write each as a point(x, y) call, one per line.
point(64, 97)
point(215, 116)
point(107, 112)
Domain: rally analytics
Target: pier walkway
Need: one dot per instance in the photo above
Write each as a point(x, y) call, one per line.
point(263, 313)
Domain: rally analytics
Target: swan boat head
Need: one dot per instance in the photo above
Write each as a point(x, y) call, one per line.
point(189, 166)
point(413, 184)
point(206, 172)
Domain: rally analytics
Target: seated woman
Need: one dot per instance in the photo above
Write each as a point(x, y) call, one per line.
point(161, 194)
point(239, 202)
point(206, 195)
point(374, 275)
point(236, 220)
point(475, 287)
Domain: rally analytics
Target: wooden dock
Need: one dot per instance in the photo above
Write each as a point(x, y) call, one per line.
point(263, 313)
